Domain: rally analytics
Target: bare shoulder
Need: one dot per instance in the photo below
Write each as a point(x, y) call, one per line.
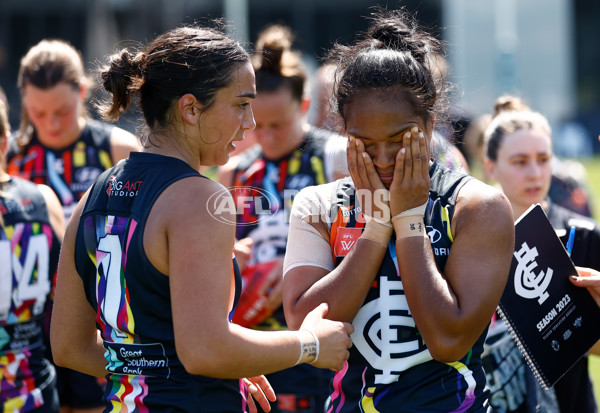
point(188, 219)
point(121, 143)
point(482, 204)
point(313, 205)
point(197, 198)
point(49, 196)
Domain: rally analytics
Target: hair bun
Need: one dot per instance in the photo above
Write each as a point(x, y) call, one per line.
point(272, 43)
point(508, 102)
point(122, 77)
point(123, 70)
point(398, 30)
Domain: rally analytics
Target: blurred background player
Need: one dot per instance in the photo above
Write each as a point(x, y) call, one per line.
point(568, 185)
point(60, 145)
point(31, 227)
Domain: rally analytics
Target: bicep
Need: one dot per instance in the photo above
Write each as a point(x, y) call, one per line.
point(480, 256)
point(200, 251)
point(200, 272)
point(307, 259)
point(73, 318)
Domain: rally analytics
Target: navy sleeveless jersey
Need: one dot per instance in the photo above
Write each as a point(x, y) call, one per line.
point(29, 251)
point(132, 298)
point(390, 368)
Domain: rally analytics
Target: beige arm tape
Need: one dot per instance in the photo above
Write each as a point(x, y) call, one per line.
point(378, 232)
point(306, 245)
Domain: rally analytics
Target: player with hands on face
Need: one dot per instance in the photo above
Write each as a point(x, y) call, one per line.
point(415, 255)
point(408, 181)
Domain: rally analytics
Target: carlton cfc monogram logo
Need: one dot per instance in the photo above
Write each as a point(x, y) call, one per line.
point(385, 333)
point(527, 283)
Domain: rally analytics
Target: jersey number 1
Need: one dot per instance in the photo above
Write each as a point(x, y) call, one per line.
point(111, 305)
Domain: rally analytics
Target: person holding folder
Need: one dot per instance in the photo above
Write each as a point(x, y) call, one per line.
point(518, 147)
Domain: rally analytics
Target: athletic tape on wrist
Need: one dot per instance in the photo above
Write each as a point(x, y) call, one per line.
point(378, 233)
point(369, 218)
point(420, 210)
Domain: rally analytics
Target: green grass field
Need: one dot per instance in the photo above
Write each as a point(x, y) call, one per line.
point(594, 367)
point(592, 167)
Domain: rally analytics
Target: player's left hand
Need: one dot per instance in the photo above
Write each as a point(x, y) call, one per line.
point(259, 389)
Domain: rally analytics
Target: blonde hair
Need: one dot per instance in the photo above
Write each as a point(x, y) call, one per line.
point(510, 121)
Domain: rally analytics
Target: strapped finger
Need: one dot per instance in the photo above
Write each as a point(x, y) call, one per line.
point(250, 385)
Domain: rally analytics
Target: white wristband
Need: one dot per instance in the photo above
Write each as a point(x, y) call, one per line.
point(420, 210)
point(309, 349)
point(378, 233)
point(301, 350)
point(409, 226)
point(317, 343)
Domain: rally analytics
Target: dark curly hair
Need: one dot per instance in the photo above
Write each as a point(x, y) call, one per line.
point(392, 54)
